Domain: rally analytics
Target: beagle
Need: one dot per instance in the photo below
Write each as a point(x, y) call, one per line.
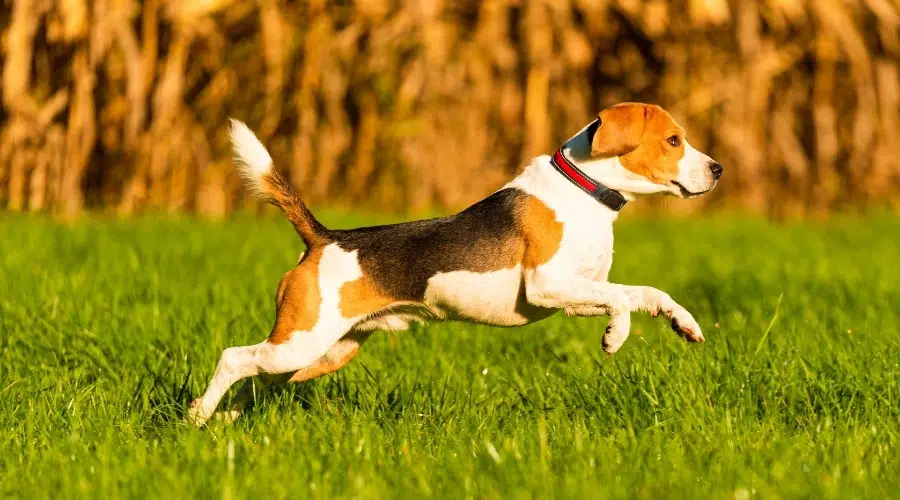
point(541, 244)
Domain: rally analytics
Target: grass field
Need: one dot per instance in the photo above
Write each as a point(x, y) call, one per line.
point(108, 329)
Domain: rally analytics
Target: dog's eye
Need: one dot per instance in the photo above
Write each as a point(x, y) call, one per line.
point(674, 141)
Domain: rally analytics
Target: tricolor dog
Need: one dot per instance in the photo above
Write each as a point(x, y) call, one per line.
point(541, 244)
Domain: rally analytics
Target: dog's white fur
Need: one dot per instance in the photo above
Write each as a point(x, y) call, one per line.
point(252, 158)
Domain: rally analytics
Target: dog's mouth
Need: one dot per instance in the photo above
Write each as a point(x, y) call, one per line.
point(686, 193)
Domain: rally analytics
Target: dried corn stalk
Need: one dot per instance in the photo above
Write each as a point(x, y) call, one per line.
point(422, 104)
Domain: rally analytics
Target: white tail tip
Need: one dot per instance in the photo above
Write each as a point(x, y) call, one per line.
point(252, 159)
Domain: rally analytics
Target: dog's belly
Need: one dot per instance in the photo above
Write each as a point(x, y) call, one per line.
point(493, 298)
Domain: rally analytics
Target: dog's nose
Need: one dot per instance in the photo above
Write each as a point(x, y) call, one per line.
point(716, 170)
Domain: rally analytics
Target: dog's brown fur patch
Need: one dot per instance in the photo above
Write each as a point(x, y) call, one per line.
point(542, 232)
point(638, 134)
point(362, 297)
point(298, 299)
point(620, 130)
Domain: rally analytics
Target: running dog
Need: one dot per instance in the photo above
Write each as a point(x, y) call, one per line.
point(541, 244)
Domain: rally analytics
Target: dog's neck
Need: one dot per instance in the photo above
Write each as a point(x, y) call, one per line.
point(607, 171)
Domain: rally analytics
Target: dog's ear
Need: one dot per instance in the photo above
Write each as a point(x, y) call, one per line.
point(619, 130)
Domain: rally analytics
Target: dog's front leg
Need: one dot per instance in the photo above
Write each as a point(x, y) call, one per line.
point(649, 299)
point(579, 296)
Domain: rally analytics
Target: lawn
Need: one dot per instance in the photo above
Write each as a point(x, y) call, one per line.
point(109, 328)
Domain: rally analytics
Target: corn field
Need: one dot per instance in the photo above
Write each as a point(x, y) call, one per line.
point(122, 105)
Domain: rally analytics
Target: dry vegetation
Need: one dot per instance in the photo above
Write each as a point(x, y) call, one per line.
point(414, 104)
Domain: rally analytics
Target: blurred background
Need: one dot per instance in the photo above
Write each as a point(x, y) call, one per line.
point(121, 105)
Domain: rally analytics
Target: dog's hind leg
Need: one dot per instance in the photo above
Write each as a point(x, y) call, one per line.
point(302, 350)
point(247, 395)
point(337, 357)
point(310, 319)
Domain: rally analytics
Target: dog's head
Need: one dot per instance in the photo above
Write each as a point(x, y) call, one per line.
point(651, 151)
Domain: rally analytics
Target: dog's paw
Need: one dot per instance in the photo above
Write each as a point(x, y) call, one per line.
point(194, 415)
point(685, 325)
point(616, 335)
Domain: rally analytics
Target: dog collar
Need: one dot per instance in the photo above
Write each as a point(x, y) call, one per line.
point(609, 197)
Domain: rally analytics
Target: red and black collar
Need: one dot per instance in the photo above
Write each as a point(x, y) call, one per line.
point(609, 197)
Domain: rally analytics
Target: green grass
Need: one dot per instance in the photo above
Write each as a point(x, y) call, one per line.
point(108, 329)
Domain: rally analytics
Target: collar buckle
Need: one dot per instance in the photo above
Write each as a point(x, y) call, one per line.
point(610, 197)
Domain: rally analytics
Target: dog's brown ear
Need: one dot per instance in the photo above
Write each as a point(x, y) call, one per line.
point(620, 130)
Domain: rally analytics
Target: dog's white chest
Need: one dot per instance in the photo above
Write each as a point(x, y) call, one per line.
point(587, 249)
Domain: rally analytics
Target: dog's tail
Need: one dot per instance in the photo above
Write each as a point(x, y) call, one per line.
point(255, 166)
